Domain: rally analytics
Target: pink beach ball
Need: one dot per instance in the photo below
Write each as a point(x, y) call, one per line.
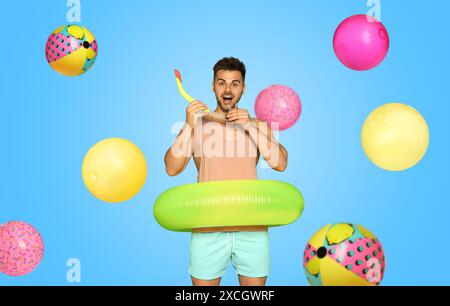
point(361, 42)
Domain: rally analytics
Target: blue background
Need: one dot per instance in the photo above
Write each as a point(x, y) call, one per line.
point(48, 123)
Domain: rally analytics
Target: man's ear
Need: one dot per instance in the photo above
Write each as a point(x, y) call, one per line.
point(212, 86)
point(245, 88)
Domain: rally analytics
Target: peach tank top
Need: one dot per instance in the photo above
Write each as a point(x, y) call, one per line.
point(226, 152)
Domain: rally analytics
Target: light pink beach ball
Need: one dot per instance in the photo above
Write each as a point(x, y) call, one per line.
point(21, 248)
point(278, 105)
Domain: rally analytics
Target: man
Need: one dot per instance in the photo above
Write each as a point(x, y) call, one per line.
point(227, 149)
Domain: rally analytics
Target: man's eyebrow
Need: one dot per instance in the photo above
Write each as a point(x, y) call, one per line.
point(219, 79)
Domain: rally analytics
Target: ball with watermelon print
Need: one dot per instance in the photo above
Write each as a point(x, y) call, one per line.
point(344, 254)
point(71, 50)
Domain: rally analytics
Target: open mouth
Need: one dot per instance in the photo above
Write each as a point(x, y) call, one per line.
point(227, 99)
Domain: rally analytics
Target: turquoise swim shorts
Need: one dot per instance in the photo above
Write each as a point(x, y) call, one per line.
point(210, 254)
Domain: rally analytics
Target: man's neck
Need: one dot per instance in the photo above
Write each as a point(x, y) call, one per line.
point(221, 111)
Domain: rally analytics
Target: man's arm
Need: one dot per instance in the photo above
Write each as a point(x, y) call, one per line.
point(261, 133)
point(271, 150)
point(178, 155)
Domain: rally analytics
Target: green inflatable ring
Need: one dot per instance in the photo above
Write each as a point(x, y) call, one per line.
point(228, 203)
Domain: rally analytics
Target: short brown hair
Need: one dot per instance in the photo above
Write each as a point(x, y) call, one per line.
point(230, 64)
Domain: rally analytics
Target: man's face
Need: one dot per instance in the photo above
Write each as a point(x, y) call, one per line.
point(228, 87)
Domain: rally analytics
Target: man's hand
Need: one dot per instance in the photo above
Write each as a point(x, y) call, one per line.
point(192, 110)
point(239, 116)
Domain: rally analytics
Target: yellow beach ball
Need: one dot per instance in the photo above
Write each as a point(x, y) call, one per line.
point(395, 137)
point(114, 170)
